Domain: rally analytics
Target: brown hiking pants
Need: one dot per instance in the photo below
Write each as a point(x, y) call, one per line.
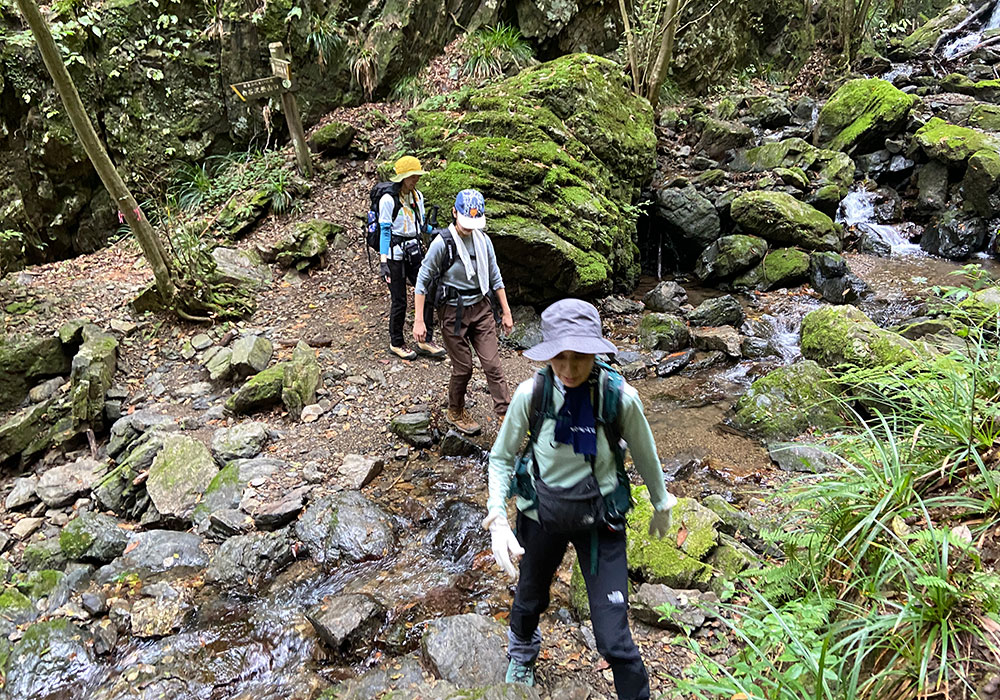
point(478, 329)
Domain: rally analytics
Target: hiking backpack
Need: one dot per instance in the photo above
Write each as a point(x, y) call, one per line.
point(372, 233)
point(607, 416)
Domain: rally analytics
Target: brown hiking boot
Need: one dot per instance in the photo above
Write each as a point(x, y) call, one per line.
point(435, 352)
point(463, 422)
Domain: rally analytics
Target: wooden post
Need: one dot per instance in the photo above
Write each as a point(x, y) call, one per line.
point(282, 68)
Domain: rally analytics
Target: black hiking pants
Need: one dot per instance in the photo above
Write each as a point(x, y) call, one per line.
point(607, 591)
point(397, 306)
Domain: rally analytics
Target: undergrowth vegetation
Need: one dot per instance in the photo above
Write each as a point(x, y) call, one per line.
point(887, 588)
point(493, 51)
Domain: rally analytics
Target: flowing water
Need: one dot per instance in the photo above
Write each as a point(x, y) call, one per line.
point(967, 41)
point(858, 210)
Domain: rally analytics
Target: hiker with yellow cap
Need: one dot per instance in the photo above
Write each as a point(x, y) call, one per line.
point(402, 220)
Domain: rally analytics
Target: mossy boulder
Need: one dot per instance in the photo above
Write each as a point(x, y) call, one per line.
point(984, 116)
point(560, 151)
point(90, 378)
point(719, 136)
point(305, 245)
point(780, 218)
point(25, 359)
point(728, 256)
point(49, 660)
point(861, 114)
point(332, 138)
point(827, 167)
point(981, 184)
point(663, 332)
point(787, 402)
point(987, 90)
point(93, 536)
point(663, 560)
point(783, 267)
point(261, 391)
point(179, 475)
point(953, 144)
point(300, 380)
point(844, 335)
point(925, 36)
point(16, 608)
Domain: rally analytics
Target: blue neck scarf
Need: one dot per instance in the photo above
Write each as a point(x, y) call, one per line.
point(575, 423)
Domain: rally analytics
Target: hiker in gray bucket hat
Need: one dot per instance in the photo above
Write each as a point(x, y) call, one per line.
point(571, 486)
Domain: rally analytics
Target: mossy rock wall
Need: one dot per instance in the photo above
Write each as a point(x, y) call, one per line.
point(560, 152)
point(155, 80)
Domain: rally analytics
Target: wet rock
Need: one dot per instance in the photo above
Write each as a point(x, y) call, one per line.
point(666, 297)
point(932, 186)
point(832, 279)
point(62, 485)
point(687, 609)
point(300, 380)
point(719, 311)
point(154, 552)
point(105, 636)
point(251, 354)
point(53, 658)
point(241, 267)
point(663, 332)
point(22, 493)
point(398, 676)
point(346, 526)
point(780, 218)
point(634, 370)
point(527, 327)
point(861, 114)
point(729, 256)
point(414, 428)
point(662, 560)
point(225, 491)
point(270, 516)
point(179, 476)
point(250, 560)
point(838, 335)
point(674, 363)
point(93, 536)
point(981, 184)
point(722, 338)
point(688, 214)
point(15, 609)
point(228, 522)
point(467, 650)
point(952, 235)
point(357, 471)
point(347, 624)
point(718, 137)
point(784, 267)
point(457, 534)
point(242, 441)
point(788, 401)
point(159, 617)
point(454, 444)
point(798, 457)
point(617, 306)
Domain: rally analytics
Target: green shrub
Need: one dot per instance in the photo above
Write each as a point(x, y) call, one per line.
point(491, 52)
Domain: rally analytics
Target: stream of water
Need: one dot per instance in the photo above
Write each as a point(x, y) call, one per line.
point(972, 38)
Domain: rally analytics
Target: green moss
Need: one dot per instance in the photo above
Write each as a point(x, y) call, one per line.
point(660, 560)
point(985, 117)
point(783, 267)
point(787, 402)
point(860, 112)
point(14, 604)
point(39, 584)
point(260, 391)
point(779, 217)
point(578, 599)
point(838, 335)
point(953, 144)
point(925, 36)
point(43, 555)
point(75, 539)
point(831, 166)
point(663, 332)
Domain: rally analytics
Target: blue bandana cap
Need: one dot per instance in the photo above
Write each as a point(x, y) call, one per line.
point(471, 208)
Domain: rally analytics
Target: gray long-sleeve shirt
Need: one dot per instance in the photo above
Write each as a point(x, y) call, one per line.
point(454, 276)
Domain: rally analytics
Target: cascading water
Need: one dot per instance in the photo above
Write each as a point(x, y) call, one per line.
point(858, 209)
point(966, 42)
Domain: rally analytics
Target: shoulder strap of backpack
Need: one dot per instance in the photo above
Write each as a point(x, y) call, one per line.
point(541, 402)
point(612, 387)
point(449, 247)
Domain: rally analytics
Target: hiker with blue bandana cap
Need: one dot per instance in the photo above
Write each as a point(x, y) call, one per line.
point(461, 275)
point(571, 486)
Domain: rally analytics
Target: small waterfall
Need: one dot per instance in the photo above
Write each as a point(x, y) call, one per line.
point(968, 41)
point(994, 22)
point(858, 209)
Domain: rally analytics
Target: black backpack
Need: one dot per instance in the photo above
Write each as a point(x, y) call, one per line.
point(372, 233)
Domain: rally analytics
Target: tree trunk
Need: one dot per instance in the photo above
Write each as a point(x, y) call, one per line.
point(630, 46)
point(150, 243)
point(663, 58)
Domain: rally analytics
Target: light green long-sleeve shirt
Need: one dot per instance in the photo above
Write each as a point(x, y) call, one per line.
point(558, 465)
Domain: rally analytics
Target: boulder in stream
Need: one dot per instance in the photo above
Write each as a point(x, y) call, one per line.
point(780, 218)
point(844, 335)
point(954, 235)
point(51, 659)
point(786, 402)
point(861, 114)
point(348, 623)
point(467, 650)
point(250, 560)
point(664, 332)
point(729, 256)
point(346, 526)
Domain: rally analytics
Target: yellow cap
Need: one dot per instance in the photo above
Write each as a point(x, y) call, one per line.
point(405, 167)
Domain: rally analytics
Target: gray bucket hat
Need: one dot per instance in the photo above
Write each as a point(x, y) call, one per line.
point(570, 324)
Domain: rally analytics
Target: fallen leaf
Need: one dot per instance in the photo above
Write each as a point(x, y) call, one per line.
point(682, 535)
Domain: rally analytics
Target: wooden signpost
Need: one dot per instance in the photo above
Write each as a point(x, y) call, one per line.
point(280, 83)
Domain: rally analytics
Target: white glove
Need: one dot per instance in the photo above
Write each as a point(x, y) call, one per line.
point(505, 545)
point(659, 524)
